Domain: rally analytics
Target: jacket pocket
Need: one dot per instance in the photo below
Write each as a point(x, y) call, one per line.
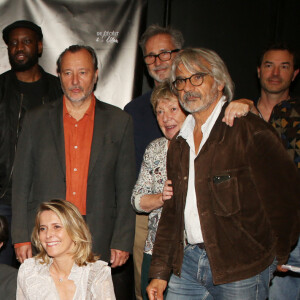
point(225, 195)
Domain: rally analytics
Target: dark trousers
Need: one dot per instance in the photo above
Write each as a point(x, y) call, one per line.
point(7, 253)
point(123, 280)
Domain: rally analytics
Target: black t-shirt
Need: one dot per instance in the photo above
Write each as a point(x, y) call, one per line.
point(33, 92)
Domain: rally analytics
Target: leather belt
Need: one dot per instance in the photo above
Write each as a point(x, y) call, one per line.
point(201, 246)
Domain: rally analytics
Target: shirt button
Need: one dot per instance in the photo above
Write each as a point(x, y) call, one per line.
point(75, 147)
point(75, 169)
point(76, 125)
point(185, 177)
point(74, 193)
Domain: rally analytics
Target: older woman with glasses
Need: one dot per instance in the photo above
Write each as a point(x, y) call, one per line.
point(65, 267)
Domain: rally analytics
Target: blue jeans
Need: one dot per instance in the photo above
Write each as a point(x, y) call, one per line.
point(196, 281)
point(287, 285)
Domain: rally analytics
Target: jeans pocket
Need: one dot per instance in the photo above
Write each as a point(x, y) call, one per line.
point(188, 247)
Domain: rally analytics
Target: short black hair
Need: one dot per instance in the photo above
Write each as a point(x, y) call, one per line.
point(4, 232)
point(279, 46)
point(22, 24)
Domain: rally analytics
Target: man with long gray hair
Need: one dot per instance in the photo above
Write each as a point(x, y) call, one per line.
point(234, 197)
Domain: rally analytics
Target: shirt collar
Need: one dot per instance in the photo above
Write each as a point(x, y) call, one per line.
point(189, 123)
point(90, 111)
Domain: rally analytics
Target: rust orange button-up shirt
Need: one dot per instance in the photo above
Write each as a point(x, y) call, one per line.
point(78, 142)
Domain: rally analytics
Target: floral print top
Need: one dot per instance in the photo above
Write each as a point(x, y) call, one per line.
point(285, 119)
point(152, 177)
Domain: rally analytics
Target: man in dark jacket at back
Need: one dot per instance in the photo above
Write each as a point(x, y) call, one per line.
point(23, 87)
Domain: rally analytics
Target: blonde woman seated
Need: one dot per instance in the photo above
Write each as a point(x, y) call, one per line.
point(65, 267)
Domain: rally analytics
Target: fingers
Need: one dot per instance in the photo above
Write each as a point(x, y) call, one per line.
point(152, 293)
point(23, 253)
point(118, 257)
point(168, 182)
point(156, 288)
point(112, 256)
point(167, 190)
point(280, 269)
point(235, 110)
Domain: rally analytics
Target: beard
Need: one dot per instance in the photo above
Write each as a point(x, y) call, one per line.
point(21, 66)
point(156, 76)
point(81, 99)
point(204, 102)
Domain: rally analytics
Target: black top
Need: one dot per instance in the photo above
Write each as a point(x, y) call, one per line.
point(145, 125)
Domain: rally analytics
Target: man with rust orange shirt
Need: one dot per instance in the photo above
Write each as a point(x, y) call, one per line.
point(79, 149)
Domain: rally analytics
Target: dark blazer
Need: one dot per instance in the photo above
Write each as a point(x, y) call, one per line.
point(8, 282)
point(13, 105)
point(247, 191)
point(40, 174)
point(145, 125)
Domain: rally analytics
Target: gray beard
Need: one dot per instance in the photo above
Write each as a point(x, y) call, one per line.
point(213, 96)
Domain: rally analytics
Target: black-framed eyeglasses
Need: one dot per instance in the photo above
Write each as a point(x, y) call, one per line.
point(163, 56)
point(196, 80)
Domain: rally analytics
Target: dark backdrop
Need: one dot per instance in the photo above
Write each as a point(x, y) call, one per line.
point(236, 30)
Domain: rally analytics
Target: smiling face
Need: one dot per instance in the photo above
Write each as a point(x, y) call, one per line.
point(276, 71)
point(53, 236)
point(23, 49)
point(197, 98)
point(77, 75)
point(160, 70)
point(170, 116)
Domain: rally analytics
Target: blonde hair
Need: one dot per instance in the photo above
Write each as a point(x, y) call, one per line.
point(75, 226)
point(161, 91)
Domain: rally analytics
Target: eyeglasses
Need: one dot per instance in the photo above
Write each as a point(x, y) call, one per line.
point(196, 80)
point(163, 56)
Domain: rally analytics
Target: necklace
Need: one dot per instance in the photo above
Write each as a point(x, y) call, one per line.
point(60, 278)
